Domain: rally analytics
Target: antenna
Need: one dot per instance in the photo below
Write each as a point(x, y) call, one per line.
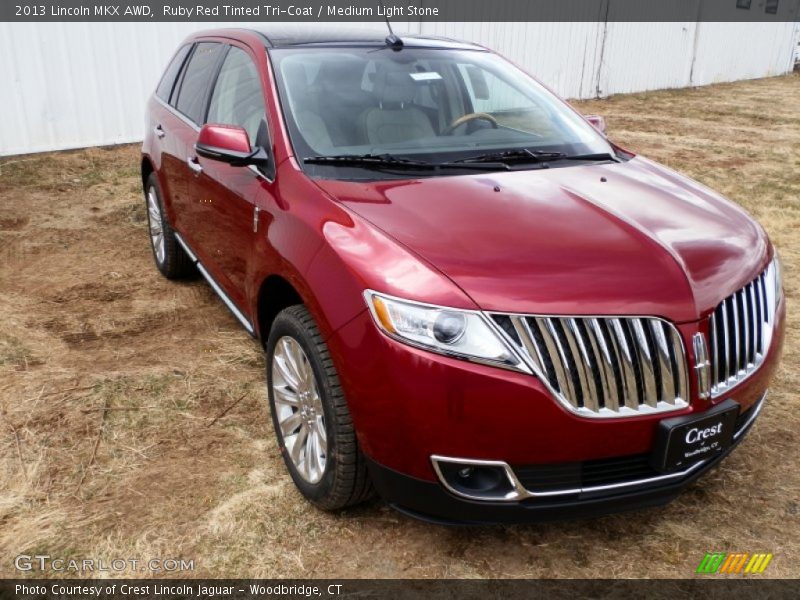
point(393, 41)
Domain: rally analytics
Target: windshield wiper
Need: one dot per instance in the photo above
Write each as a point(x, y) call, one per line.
point(513, 156)
point(523, 155)
point(389, 161)
point(592, 157)
point(366, 160)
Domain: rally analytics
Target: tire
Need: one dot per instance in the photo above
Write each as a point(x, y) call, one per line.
point(343, 479)
point(170, 257)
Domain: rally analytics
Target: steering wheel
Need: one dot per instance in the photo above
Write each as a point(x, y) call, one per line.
point(470, 117)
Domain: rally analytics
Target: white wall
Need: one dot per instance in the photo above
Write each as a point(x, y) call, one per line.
point(81, 84)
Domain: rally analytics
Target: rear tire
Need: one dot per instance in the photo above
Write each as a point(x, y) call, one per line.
point(310, 415)
point(170, 257)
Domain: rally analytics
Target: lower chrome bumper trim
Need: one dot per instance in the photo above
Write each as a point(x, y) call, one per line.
point(521, 493)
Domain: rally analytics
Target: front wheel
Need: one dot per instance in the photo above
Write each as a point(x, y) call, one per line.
point(310, 415)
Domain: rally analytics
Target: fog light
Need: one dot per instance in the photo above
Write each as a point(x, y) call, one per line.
point(478, 480)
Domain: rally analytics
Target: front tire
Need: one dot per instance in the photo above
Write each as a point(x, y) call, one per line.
point(170, 257)
point(310, 416)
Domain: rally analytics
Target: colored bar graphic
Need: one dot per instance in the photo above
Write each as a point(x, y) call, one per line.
point(722, 562)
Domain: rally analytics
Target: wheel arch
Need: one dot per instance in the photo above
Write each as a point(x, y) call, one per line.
point(275, 293)
point(147, 169)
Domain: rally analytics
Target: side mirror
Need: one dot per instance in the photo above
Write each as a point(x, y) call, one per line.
point(229, 144)
point(597, 122)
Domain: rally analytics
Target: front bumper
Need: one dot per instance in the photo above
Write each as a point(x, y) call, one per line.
point(408, 405)
point(432, 502)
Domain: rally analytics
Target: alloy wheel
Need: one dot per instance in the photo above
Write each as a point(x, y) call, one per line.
point(299, 411)
point(156, 226)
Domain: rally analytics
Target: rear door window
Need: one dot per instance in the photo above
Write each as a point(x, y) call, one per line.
point(165, 87)
point(193, 93)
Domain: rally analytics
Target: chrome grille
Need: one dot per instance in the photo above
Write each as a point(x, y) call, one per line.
point(740, 331)
point(604, 367)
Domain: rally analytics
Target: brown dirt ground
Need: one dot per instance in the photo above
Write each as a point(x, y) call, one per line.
point(111, 377)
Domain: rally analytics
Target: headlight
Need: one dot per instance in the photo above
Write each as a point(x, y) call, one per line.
point(460, 333)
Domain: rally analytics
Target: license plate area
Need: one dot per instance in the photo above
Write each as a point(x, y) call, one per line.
point(683, 441)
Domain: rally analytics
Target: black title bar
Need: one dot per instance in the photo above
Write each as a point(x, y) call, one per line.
point(330, 589)
point(322, 11)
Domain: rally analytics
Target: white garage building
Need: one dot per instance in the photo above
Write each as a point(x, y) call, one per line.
point(85, 84)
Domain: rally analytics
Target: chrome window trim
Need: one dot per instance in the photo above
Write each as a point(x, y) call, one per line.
point(177, 113)
point(519, 492)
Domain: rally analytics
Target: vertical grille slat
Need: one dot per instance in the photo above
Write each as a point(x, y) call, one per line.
point(679, 364)
point(745, 359)
point(533, 326)
point(558, 356)
point(724, 357)
point(740, 330)
point(531, 344)
point(584, 364)
point(669, 391)
point(733, 337)
point(760, 312)
point(627, 368)
point(754, 324)
point(608, 375)
point(579, 372)
point(604, 367)
point(712, 334)
point(646, 366)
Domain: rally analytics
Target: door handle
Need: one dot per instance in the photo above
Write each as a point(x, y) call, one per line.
point(194, 165)
point(159, 131)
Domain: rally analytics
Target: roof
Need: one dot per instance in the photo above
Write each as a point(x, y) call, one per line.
point(277, 35)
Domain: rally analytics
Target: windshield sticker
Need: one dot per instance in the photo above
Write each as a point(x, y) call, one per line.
point(430, 76)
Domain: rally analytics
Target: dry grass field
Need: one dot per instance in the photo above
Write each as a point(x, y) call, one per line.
point(133, 415)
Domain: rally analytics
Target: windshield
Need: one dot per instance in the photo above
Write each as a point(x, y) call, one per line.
point(424, 104)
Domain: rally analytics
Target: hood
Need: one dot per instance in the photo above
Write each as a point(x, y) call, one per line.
point(630, 238)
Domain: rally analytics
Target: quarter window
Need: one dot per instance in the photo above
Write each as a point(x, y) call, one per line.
point(194, 85)
point(237, 98)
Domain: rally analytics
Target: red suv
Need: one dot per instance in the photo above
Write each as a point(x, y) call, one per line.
point(471, 300)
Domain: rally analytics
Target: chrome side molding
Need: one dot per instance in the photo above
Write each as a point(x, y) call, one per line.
point(216, 287)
